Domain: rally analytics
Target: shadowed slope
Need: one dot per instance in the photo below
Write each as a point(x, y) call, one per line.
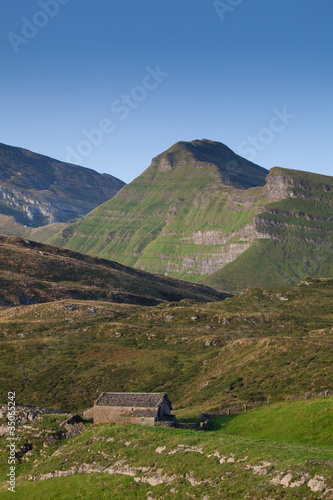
point(33, 272)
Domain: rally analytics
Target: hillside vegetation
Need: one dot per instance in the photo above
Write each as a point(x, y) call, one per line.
point(127, 462)
point(207, 354)
point(261, 344)
point(295, 237)
point(155, 222)
point(202, 213)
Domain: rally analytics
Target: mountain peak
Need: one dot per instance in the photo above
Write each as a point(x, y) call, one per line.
point(232, 169)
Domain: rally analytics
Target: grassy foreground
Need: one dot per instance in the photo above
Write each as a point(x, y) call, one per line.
point(126, 462)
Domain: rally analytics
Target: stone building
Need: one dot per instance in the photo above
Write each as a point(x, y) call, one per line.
point(132, 408)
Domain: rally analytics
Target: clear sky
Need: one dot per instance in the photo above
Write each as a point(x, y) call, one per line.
point(254, 74)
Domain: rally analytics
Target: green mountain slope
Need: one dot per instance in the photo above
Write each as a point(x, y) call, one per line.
point(295, 237)
point(202, 213)
point(178, 216)
point(36, 190)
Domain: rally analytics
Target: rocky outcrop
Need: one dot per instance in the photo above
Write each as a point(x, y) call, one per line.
point(164, 164)
point(203, 263)
point(216, 237)
point(26, 414)
point(36, 210)
point(278, 187)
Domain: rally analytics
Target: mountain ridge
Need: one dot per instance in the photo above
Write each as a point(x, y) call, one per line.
point(36, 190)
point(233, 169)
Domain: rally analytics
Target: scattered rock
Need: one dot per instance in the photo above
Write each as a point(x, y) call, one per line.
point(169, 317)
point(317, 484)
point(3, 430)
point(73, 426)
point(210, 343)
point(160, 449)
point(185, 449)
point(194, 482)
point(303, 479)
point(286, 480)
point(259, 470)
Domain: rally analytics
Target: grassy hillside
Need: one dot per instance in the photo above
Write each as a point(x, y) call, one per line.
point(272, 262)
point(128, 462)
point(8, 226)
point(262, 344)
point(33, 273)
point(306, 422)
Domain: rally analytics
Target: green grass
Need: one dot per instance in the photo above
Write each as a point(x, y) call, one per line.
point(185, 456)
point(272, 262)
point(85, 487)
point(306, 422)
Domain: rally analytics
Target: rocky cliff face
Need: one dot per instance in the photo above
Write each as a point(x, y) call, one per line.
point(37, 211)
point(279, 187)
point(37, 190)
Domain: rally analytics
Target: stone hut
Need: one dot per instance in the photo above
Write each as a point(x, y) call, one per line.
point(132, 408)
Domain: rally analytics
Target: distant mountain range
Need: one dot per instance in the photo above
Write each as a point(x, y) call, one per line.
point(36, 190)
point(204, 214)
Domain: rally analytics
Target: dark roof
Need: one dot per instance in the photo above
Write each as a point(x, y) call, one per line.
point(132, 399)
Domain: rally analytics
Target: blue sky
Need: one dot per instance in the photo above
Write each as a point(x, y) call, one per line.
point(111, 83)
